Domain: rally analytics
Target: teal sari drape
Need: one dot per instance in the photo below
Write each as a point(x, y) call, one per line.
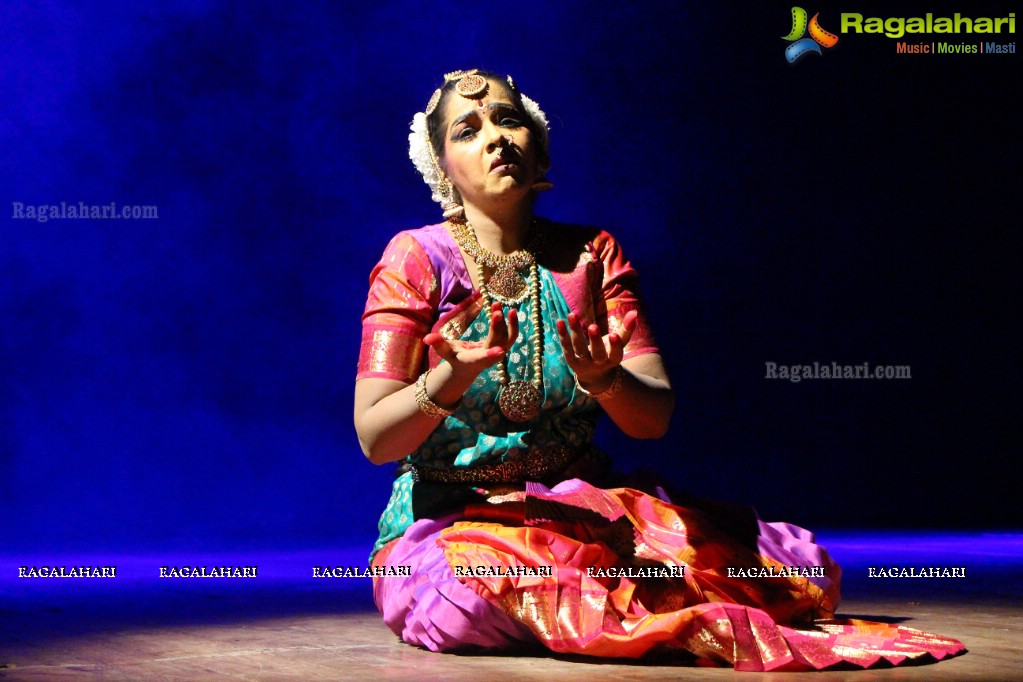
point(477, 433)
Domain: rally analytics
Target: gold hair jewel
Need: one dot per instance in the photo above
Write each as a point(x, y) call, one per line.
point(471, 86)
point(455, 75)
point(434, 101)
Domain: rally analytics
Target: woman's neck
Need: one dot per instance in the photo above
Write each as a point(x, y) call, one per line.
point(504, 231)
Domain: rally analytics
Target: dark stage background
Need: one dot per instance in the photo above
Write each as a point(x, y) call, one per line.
point(187, 381)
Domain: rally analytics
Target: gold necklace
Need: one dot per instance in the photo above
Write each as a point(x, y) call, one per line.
point(519, 400)
point(505, 284)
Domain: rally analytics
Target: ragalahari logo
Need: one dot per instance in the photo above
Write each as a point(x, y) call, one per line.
point(801, 46)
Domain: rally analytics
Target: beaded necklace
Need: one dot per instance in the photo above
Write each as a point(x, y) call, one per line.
point(519, 400)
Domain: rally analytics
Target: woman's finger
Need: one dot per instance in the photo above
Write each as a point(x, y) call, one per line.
point(578, 334)
point(498, 330)
point(629, 324)
point(513, 327)
point(617, 352)
point(440, 345)
point(597, 350)
point(566, 343)
point(480, 355)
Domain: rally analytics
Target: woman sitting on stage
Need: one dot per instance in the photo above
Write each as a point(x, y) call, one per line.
point(492, 342)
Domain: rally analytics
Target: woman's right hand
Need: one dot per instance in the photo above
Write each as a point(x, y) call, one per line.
point(469, 358)
point(388, 418)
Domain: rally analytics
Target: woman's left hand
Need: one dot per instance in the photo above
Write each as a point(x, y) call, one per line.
point(591, 356)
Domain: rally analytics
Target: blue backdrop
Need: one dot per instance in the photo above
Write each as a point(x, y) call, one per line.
point(187, 381)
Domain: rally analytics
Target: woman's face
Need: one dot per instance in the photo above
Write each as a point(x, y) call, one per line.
point(489, 153)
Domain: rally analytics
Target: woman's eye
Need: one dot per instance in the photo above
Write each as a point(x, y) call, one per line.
point(465, 134)
point(510, 122)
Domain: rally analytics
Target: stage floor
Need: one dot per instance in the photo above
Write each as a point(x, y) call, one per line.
point(287, 625)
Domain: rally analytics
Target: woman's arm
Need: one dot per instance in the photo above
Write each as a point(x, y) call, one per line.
point(642, 403)
point(643, 406)
point(388, 419)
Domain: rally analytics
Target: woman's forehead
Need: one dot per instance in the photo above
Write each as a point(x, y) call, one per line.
point(456, 105)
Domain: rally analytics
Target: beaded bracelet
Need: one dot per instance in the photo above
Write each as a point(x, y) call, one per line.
point(611, 391)
point(427, 406)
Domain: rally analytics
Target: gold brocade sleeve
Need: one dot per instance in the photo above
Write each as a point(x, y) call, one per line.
point(619, 293)
point(399, 311)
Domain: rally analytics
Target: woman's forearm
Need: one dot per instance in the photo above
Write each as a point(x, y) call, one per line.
point(642, 407)
point(388, 419)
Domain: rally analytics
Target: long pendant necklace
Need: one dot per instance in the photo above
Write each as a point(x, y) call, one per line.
point(519, 400)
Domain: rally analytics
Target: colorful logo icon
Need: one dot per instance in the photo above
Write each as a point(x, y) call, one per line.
point(801, 46)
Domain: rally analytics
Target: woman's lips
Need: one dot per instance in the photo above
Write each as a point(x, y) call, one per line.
point(502, 163)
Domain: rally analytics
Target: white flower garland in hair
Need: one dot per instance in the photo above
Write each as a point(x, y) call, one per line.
point(419, 152)
point(419, 147)
point(536, 113)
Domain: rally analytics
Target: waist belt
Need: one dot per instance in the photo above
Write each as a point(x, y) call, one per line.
point(535, 465)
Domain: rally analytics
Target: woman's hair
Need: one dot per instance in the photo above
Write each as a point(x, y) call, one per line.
point(435, 120)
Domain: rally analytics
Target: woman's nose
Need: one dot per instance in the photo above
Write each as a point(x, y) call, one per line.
point(496, 139)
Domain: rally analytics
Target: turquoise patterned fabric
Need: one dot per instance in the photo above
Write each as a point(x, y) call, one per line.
point(477, 433)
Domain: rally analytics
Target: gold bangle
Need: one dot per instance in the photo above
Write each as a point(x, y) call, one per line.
point(611, 391)
point(427, 406)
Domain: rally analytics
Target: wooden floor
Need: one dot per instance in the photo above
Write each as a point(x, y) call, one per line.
point(287, 629)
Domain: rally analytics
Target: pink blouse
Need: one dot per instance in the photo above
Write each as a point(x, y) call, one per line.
point(422, 277)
